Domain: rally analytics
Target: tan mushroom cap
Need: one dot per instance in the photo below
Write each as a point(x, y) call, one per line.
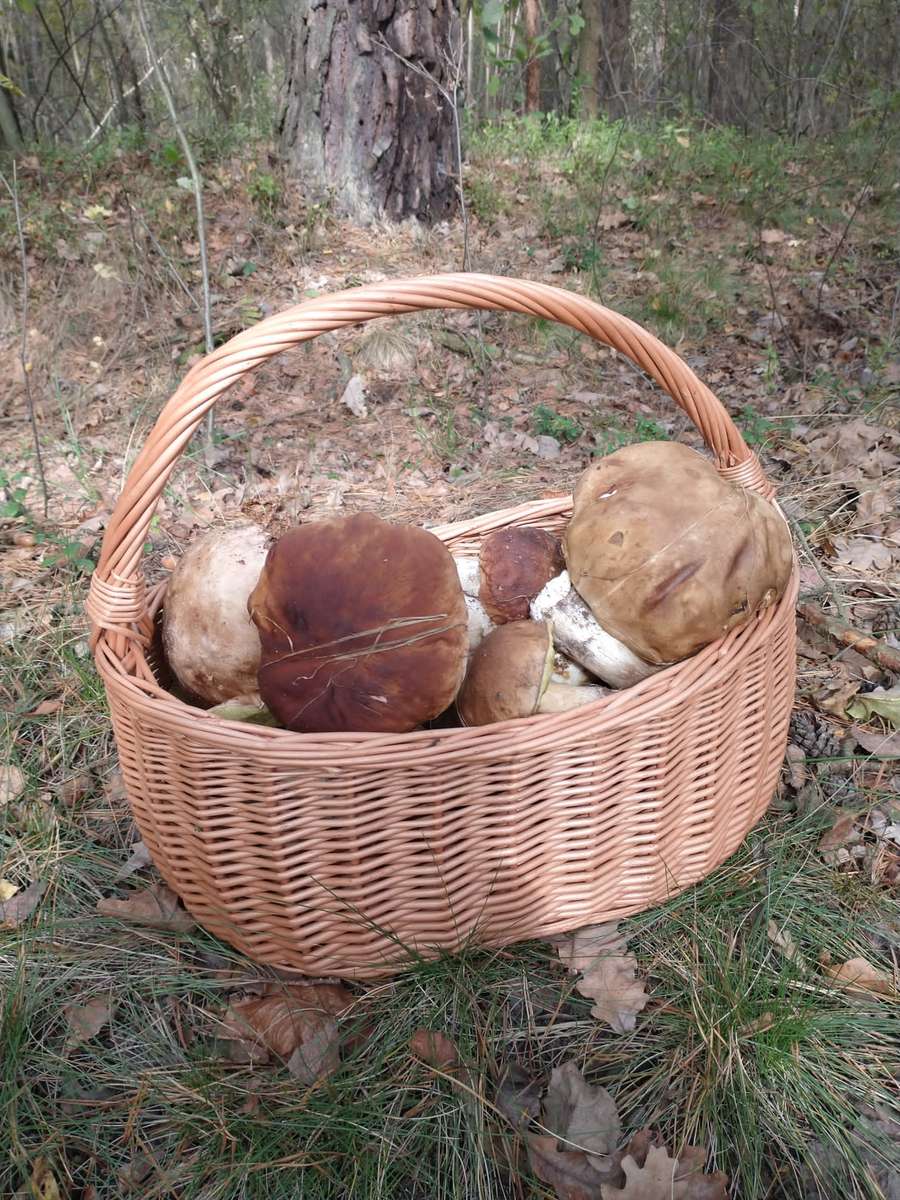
point(669, 555)
point(516, 563)
point(362, 624)
point(508, 674)
point(209, 639)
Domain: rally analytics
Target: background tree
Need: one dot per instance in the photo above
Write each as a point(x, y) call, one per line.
point(360, 124)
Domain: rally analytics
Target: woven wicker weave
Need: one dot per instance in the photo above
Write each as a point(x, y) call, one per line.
point(345, 853)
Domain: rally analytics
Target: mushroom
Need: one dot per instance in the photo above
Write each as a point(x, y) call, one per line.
point(513, 565)
point(509, 677)
point(668, 555)
point(362, 625)
point(577, 632)
point(210, 641)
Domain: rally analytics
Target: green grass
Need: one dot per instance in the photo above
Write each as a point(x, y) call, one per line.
point(773, 1097)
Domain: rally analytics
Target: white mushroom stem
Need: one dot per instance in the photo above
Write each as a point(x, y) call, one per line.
point(561, 697)
point(469, 572)
point(480, 624)
point(568, 672)
point(578, 634)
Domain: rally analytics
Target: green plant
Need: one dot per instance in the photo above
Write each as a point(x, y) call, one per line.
point(547, 422)
point(265, 192)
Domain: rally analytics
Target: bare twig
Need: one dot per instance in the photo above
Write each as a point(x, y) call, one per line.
point(13, 190)
point(863, 191)
point(157, 61)
point(121, 99)
point(881, 653)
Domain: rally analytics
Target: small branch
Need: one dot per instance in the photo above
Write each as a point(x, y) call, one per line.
point(156, 60)
point(121, 99)
point(879, 652)
point(856, 207)
point(23, 348)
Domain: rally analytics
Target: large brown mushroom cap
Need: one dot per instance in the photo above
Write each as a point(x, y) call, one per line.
point(362, 624)
point(210, 641)
point(507, 674)
point(668, 554)
point(516, 563)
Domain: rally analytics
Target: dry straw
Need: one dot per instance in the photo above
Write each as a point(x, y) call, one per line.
point(346, 853)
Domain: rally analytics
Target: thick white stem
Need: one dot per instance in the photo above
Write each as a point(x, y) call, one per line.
point(568, 672)
point(480, 624)
point(561, 697)
point(578, 634)
point(469, 572)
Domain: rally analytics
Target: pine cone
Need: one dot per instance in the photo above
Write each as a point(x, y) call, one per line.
point(813, 735)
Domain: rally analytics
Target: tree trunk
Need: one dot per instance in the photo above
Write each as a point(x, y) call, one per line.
point(533, 66)
point(10, 129)
point(616, 66)
point(589, 57)
point(362, 125)
point(728, 64)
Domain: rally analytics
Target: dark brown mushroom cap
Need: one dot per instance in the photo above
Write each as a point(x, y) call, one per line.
point(362, 625)
point(508, 674)
point(669, 555)
point(516, 563)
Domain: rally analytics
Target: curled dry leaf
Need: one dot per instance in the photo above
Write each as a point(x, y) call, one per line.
point(607, 971)
point(569, 1172)
point(880, 745)
point(21, 905)
point(434, 1048)
point(883, 702)
point(7, 890)
point(157, 907)
point(858, 976)
point(288, 1018)
point(43, 1184)
point(582, 1114)
point(86, 1020)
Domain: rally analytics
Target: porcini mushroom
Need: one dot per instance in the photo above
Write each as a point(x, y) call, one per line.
point(668, 554)
point(362, 625)
point(509, 677)
point(580, 636)
point(513, 565)
point(210, 641)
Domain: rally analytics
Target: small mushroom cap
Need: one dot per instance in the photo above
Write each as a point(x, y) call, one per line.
point(669, 555)
point(362, 624)
point(516, 562)
point(507, 674)
point(210, 641)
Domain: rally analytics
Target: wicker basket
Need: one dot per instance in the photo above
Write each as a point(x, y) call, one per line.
point(346, 854)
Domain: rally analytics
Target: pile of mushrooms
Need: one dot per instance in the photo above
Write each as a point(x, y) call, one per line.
point(358, 625)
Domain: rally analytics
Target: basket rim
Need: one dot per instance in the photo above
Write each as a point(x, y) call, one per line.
point(620, 709)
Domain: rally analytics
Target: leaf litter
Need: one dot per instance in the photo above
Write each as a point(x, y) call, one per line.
point(599, 955)
point(157, 907)
point(292, 1022)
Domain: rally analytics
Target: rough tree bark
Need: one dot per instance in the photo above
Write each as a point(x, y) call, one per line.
point(729, 63)
point(358, 123)
point(615, 57)
point(589, 57)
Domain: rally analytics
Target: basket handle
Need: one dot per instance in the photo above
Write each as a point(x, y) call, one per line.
point(116, 599)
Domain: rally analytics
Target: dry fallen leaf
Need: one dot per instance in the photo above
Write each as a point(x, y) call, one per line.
point(434, 1048)
point(43, 1183)
point(20, 906)
point(839, 834)
point(7, 890)
point(579, 1113)
point(518, 1096)
point(786, 944)
point(287, 1018)
point(46, 707)
point(885, 702)
point(771, 237)
point(86, 1020)
point(139, 857)
point(607, 970)
point(881, 745)
point(12, 784)
point(157, 907)
point(569, 1172)
point(795, 758)
point(650, 1174)
point(858, 976)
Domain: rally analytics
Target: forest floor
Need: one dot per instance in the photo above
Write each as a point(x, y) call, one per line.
point(130, 1063)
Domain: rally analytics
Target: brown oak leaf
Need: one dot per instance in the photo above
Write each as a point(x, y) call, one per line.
point(287, 1018)
point(86, 1020)
point(21, 905)
point(650, 1174)
point(857, 975)
point(434, 1048)
point(569, 1172)
point(600, 955)
point(157, 907)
